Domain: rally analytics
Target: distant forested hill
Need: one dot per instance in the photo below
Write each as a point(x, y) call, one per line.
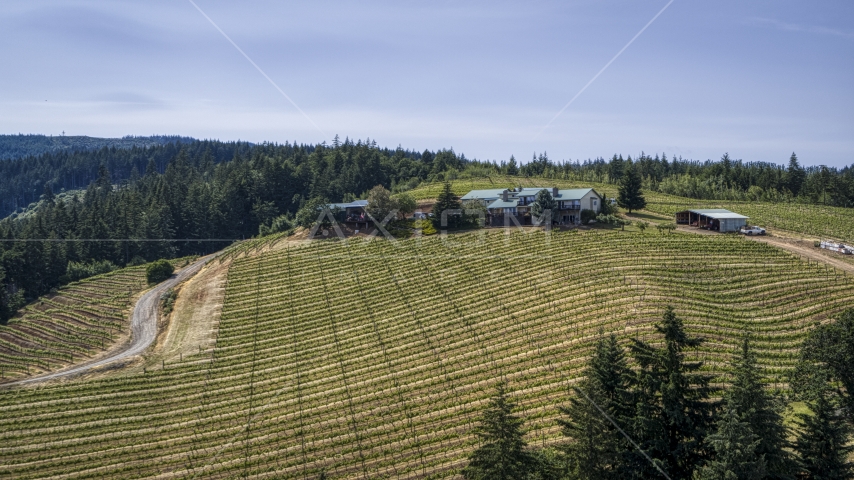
point(24, 180)
point(20, 146)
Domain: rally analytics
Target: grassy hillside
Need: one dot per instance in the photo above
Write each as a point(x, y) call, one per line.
point(81, 320)
point(372, 359)
point(815, 220)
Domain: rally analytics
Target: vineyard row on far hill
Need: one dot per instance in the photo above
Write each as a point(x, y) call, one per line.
point(373, 359)
point(79, 321)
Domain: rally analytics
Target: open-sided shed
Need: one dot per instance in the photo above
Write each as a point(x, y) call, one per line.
point(712, 219)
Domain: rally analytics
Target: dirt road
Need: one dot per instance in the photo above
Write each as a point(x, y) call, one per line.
point(143, 328)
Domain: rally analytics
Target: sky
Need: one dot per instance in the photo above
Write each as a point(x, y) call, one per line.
point(758, 80)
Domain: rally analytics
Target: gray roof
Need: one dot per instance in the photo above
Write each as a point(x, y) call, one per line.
point(716, 213)
point(573, 193)
point(502, 204)
point(495, 193)
point(353, 204)
point(483, 194)
point(531, 191)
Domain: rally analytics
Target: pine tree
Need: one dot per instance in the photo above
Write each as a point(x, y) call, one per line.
point(502, 454)
point(672, 413)
point(47, 194)
point(512, 166)
point(735, 447)
point(795, 175)
point(630, 195)
point(103, 183)
point(542, 203)
point(823, 441)
point(726, 164)
point(616, 168)
point(446, 201)
point(761, 411)
point(596, 448)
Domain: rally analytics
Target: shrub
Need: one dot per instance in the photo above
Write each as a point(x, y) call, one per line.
point(607, 207)
point(587, 215)
point(474, 214)
point(158, 271)
point(167, 301)
point(666, 227)
point(426, 227)
point(400, 228)
point(282, 223)
point(608, 219)
point(312, 212)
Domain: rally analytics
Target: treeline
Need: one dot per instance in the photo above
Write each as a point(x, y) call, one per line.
point(726, 179)
point(193, 202)
point(20, 146)
point(22, 180)
point(655, 417)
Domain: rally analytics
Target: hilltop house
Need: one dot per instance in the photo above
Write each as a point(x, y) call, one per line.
point(352, 212)
point(505, 205)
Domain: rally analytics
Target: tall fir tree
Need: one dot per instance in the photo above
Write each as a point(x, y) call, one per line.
point(512, 166)
point(762, 412)
point(735, 446)
point(726, 166)
point(502, 454)
point(824, 441)
point(616, 168)
point(446, 201)
point(673, 414)
point(630, 196)
point(795, 175)
point(595, 447)
point(544, 206)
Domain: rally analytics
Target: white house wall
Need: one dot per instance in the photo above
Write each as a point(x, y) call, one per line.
point(587, 204)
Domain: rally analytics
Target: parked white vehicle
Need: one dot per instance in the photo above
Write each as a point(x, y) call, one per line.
point(751, 230)
point(837, 247)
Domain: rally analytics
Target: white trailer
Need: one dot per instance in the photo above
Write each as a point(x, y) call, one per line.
point(837, 247)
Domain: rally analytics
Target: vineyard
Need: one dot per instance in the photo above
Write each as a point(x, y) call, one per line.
point(815, 220)
point(80, 321)
point(373, 359)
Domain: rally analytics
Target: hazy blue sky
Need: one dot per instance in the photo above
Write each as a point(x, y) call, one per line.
point(757, 79)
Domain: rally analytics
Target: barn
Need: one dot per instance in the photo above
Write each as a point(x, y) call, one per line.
point(716, 219)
